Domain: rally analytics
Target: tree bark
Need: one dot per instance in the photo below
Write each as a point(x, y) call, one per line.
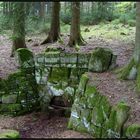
point(75, 34)
point(54, 33)
point(132, 70)
point(19, 27)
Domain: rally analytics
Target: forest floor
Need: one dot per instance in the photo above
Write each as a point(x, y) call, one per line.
point(37, 125)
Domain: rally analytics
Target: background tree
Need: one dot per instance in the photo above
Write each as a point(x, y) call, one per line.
point(132, 70)
point(54, 33)
point(42, 10)
point(75, 34)
point(19, 27)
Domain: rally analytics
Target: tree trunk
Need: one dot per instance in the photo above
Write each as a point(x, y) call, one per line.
point(19, 27)
point(42, 10)
point(75, 34)
point(132, 70)
point(54, 33)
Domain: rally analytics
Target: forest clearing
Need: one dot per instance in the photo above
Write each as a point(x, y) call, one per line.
point(74, 83)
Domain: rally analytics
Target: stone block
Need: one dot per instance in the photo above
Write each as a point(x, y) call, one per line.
point(68, 59)
point(83, 60)
point(100, 60)
point(52, 58)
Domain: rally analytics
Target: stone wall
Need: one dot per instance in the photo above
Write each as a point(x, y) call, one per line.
point(93, 113)
point(99, 60)
point(43, 76)
point(18, 93)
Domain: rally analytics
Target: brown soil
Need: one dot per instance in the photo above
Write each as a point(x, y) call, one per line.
point(37, 125)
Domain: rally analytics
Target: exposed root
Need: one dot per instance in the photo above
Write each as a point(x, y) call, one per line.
point(50, 39)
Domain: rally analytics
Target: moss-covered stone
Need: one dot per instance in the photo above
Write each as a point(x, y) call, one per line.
point(25, 57)
point(9, 134)
point(95, 131)
point(8, 99)
point(100, 60)
point(119, 115)
point(68, 60)
point(126, 72)
point(74, 120)
point(113, 62)
point(83, 60)
point(69, 95)
point(133, 131)
point(82, 85)
point(52, 59)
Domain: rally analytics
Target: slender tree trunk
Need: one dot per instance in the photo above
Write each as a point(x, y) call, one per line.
point(65, 6)
point(19, 27)
point(49, 7)
point(75, 34)
point(42, 10)
point(4, 7)
point(132, 70)
point(54, 33)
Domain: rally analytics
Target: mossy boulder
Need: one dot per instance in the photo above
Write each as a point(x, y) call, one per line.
point(100, 60)
point(9, 134)
point(25, 58)
point(133, 131)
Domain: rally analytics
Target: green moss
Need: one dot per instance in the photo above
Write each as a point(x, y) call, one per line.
point(119, 115)
point(133, 131)
point(82, 85)
point(95, 131)
point(105, 107)
point(90, 91)
point(24, 55)
point(94, 100)
point(81, 128)
point(10, 134)
point(100, 60)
